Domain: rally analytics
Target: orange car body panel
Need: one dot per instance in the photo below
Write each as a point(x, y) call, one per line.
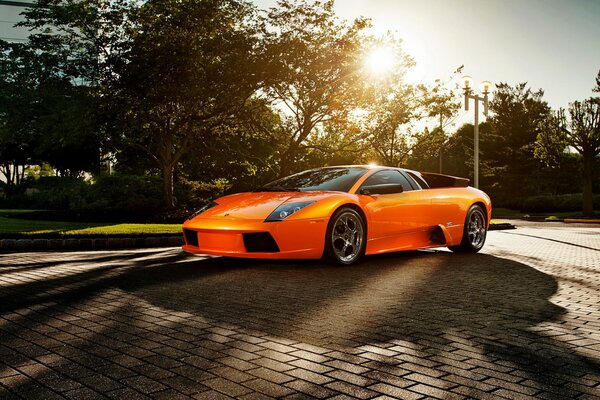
point(401, 221)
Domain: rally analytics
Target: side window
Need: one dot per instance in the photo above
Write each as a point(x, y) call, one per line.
point(388, 176)
point(418, 179)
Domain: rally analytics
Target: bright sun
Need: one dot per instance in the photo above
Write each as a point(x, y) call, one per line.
point(380, 60)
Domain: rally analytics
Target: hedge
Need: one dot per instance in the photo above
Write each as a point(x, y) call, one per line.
point(556, 203)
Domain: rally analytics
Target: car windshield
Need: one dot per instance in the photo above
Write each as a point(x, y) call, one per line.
point(339, 179)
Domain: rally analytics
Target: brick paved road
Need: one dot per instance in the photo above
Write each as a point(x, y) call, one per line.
point(521, 319)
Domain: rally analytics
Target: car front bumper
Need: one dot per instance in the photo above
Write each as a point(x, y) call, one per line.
point(294, 239)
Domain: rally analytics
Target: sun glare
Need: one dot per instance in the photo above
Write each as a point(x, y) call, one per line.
point(380, 60)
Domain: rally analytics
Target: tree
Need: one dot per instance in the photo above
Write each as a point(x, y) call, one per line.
point(440, 104)
point(51, 83)
point(18, 81)
point(507, 150)
point(43, 116)
point(391, 133)
point(317, 60)
point(189, 67)
point(579, 130)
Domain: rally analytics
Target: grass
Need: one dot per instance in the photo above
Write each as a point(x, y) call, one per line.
point(130, 229)
point(572, 214)
point(11, 226)
point(506, 213)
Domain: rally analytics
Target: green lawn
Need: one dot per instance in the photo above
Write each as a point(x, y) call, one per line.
point(572, 214)
point(506, 213)
point(11, 226)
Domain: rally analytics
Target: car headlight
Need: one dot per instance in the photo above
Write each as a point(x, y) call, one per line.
point(285, 210)
point(203, 208)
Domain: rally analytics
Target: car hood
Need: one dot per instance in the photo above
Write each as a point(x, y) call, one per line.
point(257, 205)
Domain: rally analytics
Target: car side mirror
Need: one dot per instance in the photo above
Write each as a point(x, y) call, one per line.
point(383, 188)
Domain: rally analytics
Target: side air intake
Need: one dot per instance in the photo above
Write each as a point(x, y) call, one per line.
point(191, 237)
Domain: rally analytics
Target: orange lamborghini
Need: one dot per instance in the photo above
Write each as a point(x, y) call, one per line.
point(343, 213)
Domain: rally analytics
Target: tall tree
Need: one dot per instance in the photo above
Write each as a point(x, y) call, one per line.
point(516, 112)
point(317, 59)
point(19, 77)
point(189, 67)
point(52, 82)
point(579, 130)
point(391, 131)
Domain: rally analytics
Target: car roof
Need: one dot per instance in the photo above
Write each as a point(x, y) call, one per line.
point(366, 166)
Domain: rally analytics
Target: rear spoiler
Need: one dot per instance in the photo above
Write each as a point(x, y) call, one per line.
point(441, 181)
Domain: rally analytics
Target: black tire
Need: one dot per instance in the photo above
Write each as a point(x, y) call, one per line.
point(474, 231)
point(351, 242)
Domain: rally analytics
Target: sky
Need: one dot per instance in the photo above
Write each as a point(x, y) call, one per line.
point(551, 44)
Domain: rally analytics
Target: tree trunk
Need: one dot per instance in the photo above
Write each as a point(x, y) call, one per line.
point(167, 171)
point(588, 200)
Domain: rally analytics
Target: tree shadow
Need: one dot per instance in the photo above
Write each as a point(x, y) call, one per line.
point(425, 299)
point(481, 311)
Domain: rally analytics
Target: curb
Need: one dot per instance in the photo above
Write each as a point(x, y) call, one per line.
point(573, 220)
point(501, 226)
point(7, 245)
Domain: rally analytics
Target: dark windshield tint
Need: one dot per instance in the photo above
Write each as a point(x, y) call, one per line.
point(390, 176)
point(418, 178)
point(327, 179)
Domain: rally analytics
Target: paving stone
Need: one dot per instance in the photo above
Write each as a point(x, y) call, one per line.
point(351, 390)
point(309, 376)
point(518, 320)
point(394, 391)
point(310, 389)
point(270, 375)
point(268, 388)
point(225, 386)
point(144, 384)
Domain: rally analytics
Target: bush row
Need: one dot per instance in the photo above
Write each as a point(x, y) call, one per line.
point(556, 203)
point(125, 195)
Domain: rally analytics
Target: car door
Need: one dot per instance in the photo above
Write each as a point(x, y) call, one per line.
point(396, 220)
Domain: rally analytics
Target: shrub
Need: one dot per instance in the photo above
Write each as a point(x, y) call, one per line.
point(194, 194)
point(114, 197)
point(136, 194)
point(49, 192)
point(556, 203)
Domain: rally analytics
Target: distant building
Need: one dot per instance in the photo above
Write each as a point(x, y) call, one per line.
point(10, 11)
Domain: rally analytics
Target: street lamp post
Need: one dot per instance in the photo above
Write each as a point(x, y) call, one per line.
point(485, 88)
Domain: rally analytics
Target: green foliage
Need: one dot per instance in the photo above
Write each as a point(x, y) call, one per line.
point(181, 77)
point(556, 203)
point(508, 148)
point(215, 96)
point(49, 192)
point(44, 117)
point(580, 130)
point(136, 194)
point(316, 61)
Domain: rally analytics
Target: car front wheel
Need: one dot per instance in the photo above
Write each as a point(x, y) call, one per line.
point(346, 236)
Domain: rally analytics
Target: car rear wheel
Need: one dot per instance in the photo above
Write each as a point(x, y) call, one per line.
point(346, 236)
point(474, 232)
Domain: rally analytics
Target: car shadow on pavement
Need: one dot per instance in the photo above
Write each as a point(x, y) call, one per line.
point(427, 304)
point(482, 314)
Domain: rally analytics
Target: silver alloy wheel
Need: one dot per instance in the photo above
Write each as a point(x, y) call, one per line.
point(476, 228)
point(347, 236)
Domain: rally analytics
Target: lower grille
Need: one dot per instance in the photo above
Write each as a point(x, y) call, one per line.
point(191, 237)
point(260, 242)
